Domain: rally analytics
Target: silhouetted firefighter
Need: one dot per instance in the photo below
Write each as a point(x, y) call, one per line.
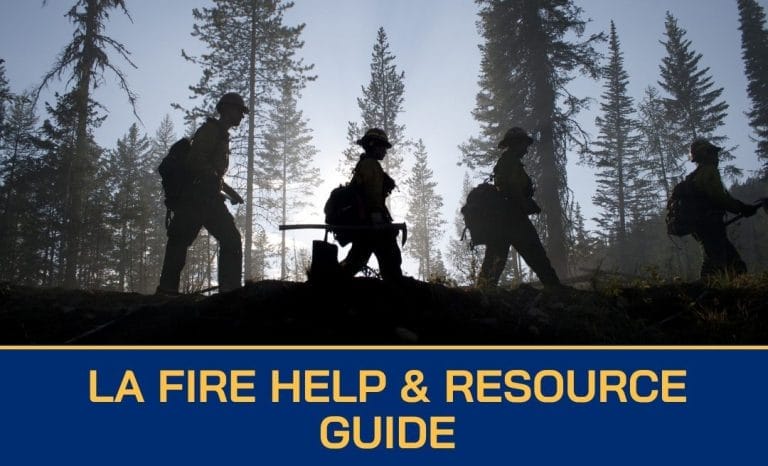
point(697, 206)
point(512, 225)
point(373, 186)
point(199, 202)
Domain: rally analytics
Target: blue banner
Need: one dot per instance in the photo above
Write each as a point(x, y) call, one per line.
point(339, 406)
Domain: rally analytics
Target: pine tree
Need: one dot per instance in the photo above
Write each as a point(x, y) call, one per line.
point(262, 252)
point(665, 163)
point(251, 52)
point(380, 105)
point(423, 217)
point(60, 139)
point(582, 244)
point(87, 56)
point(527, 61)
point(126, 171)
point(754, 46)
point(693, 107)
point(288, 156)
point(616, 159)
point(97, 264)
point(439, 272)
point(5, 98)
point(301, 261)
point(21, 146)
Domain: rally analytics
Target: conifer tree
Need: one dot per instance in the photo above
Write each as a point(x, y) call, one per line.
point(616, 159)
point(288, 156)
point(87, 56)
point(530, 52)
point(439, 272)
point(17, 154)
point(754, 46)
point(664, 162)
point(423, 216)
point(126, 169)
point(693, 108)
point(263, 252)
point(57, 134)
point(5, 98)
point(97, 261)
point(301, 261)
point(251, 50)
point(582, 244)
point(380, 105)
point(60, 139)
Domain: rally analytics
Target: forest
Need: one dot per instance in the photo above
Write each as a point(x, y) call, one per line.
point(80, 216)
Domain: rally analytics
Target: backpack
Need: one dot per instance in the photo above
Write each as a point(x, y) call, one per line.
point(682, 209)
point(173, 172)
point(483, 212)
point(344, 207)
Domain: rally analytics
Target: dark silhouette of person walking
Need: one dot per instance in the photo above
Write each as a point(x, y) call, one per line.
point(711, 200)
point(515, 227)
point(202, 202)
point(374, 185)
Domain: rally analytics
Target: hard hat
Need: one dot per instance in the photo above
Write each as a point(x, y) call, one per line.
point(374, 135)
point(701, 148)
point(232, 98)
point(515, 134)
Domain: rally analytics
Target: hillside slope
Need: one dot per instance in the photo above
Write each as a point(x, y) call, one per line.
point(370, 312)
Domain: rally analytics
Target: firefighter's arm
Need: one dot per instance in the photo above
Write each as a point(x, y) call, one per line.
point(234, 197)
point(710, 184)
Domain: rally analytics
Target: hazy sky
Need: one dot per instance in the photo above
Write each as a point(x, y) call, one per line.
point(436, 45)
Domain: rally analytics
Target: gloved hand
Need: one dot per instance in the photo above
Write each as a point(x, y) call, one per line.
point(236, 199)
point(749, 210)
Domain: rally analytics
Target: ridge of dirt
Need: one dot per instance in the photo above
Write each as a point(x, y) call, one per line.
point(371, 312)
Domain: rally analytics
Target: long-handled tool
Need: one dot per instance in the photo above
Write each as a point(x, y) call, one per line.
point(323, 226)
point(760, 203)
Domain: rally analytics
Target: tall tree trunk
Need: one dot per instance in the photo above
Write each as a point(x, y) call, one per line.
point(284, 202)
point(249, 169)
point(78, 163)
point(549, 179)
point(622, 234)
point(427, 248)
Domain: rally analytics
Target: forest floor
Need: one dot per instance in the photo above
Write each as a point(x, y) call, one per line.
point(366, 311)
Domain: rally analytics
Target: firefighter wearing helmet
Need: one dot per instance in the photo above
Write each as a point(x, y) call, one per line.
point(720, 256)
point(515, 227)
point(203, 201)
point(374, 185)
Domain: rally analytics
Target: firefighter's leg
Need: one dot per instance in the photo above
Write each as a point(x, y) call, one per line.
point(493, 264)
point(182, 231)
point(357, 257)
point(221, 225)
point(720, 256)
point(733, 261)
point(388, 254)
point(527, 243)
point(736, 264)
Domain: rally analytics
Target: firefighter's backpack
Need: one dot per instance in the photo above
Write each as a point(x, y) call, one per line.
point(483, 214)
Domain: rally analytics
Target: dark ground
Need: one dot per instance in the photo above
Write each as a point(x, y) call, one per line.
point(371, 312)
